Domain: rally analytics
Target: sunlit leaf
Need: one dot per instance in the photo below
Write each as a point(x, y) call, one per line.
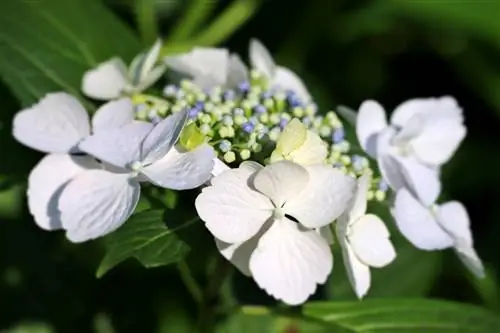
point(401, 316)
point(47, 45)
point(145, 237)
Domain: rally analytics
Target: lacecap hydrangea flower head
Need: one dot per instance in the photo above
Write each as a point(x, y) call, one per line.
point(278, 182)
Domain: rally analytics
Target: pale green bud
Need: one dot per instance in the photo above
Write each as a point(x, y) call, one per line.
point(298, 112)
point(245, 154)
point(274, 118)
point(239, 120)
point(226, 132)
point(325, 131)
point(176, 108)
point(268, 103)
point(206, 129)
point(256, 147)
point(206, 119)
point(264, 117)
point(208, 107)
point(229, 157)
point(274, 134)
point(345, 160)
point(380, 195)
point(370, 195)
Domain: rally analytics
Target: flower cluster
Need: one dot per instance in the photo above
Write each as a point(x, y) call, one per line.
point(279, 180)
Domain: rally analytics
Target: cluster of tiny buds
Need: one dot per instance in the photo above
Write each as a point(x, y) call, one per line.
point(245, 123)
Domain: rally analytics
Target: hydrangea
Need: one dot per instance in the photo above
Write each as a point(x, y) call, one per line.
point(276, 175)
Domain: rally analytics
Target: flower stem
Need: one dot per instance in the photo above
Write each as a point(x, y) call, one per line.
point(193, 17)
point(228, 22)
point(208, 310)
point(146, 20)
point(190, 282)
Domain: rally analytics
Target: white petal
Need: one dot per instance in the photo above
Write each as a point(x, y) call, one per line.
point(439, 140)
point(106, 81)
point(444, 105)
point(369, 239)
point(326, 233)
point(163, 137)
point(470, 259)
point(413, 127)
point(391, 171)
point(289, 263)
point(54, 125)
point(182, 170)
point(119, 147)
point(370, 121)
point(406, 172)
point(154, 75)
point(312, 151)
point(46, 182)
point(231, 210)
point(239, 254)
point(237, 72)
point(359, 202)
point(325, 198)
point(453, 217)
point(261, 59)
point(357, 272)
point(114, 114)
point(418, 224)
point(421, 179)
point(97, 202)
point(281, 181)
point(288, 80)
point(205, 65)
point(219, 167)
point(150, 60)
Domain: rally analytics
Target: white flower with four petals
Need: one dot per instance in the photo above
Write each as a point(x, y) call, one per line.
point(437, 227)
point(364, 240)
point(210, 67)
point(265, 219)
point(111, 79)
point(56, 125)
point(423, 135)
point(90, 199)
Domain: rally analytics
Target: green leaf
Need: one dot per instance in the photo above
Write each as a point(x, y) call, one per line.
point(402, 316)
point(54, 42)
point(146, 237)
point(477, 18)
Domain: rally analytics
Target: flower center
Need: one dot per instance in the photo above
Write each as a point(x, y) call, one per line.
point(278, 213)
point(136, 166)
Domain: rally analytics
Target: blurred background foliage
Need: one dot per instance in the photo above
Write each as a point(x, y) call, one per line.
point(346, 51)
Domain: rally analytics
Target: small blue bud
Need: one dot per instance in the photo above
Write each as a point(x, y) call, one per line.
point(307, 121)
point(244, 86)
point(170, 90)
point(225, 146)
point(248, 127)
point(283, 122)
point(266, 94)
point(193, 113)
point(383, 186)
point(229, 95)
point(260, 108)
point(253, 120)
point(357, 162)
point(338, 135)
point(294, 100)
